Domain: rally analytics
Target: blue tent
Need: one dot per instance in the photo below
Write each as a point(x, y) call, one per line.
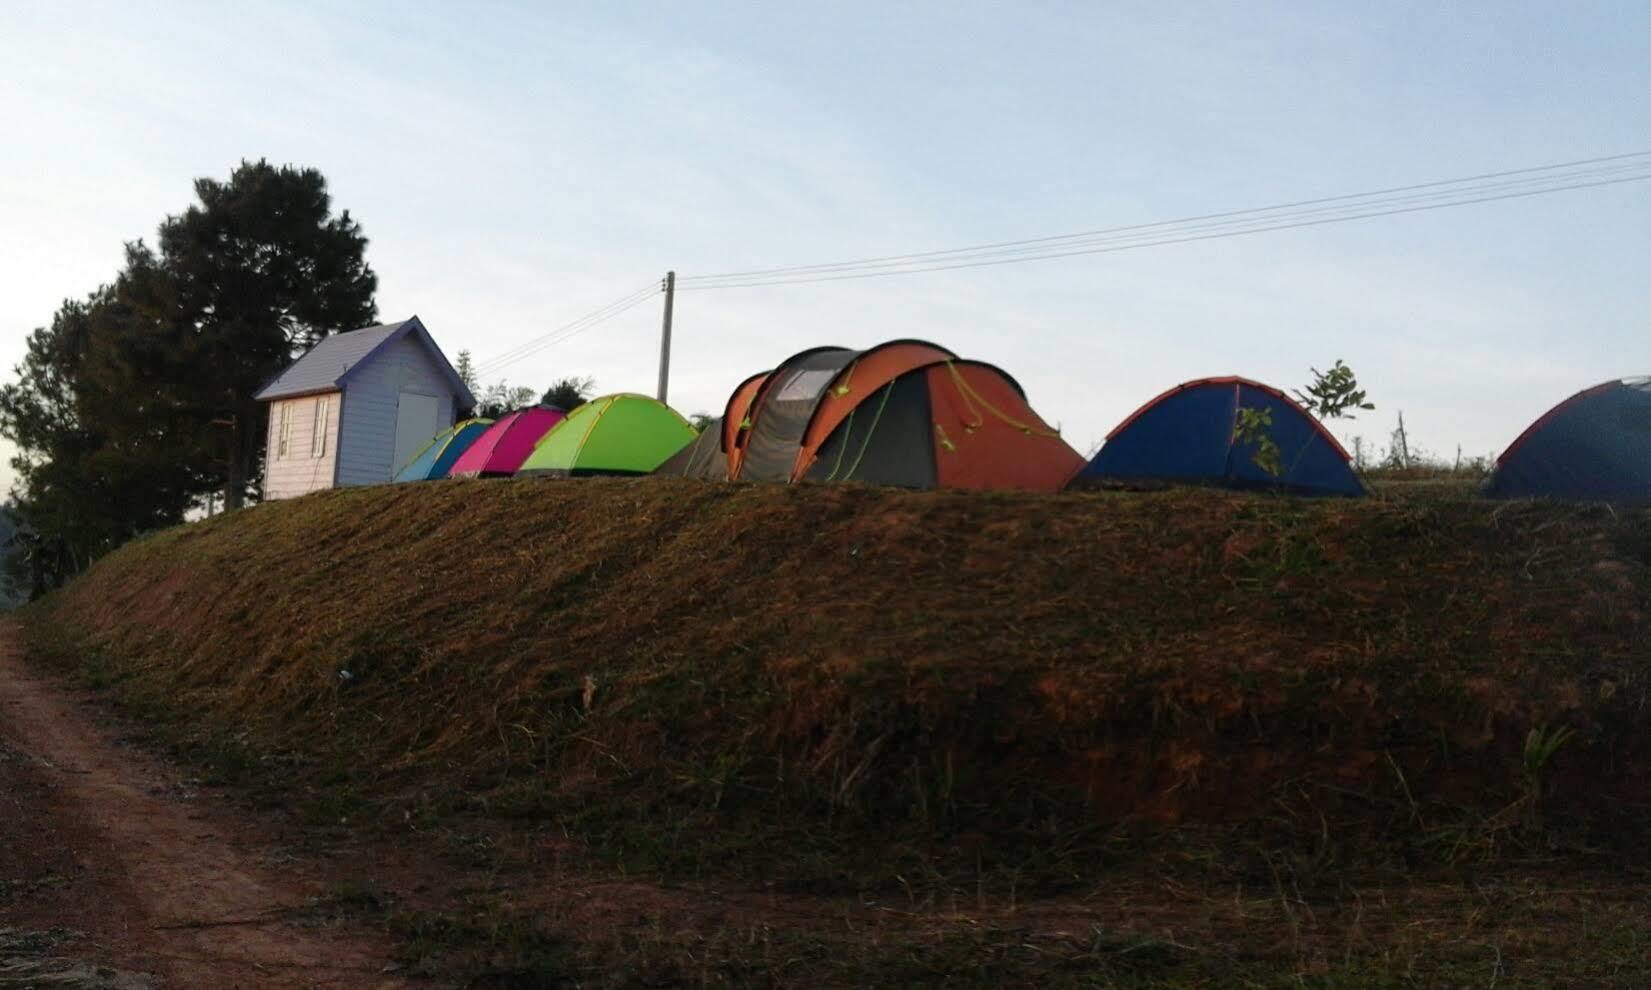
point(1187, 435)
point(1594, 446)
point(439, 454)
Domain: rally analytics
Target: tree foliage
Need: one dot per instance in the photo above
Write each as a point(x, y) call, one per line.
point(1333, 394)
point(136, 403)
point(502, 397)
point(568, 394)
point(466, 369)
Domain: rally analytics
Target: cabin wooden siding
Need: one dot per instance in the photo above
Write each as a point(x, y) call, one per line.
point(372, 396)
point(299, 470)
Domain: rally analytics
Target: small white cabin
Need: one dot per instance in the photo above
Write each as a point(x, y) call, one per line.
point(356, 407)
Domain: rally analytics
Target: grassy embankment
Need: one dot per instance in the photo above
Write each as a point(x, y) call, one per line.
point(1007, 714)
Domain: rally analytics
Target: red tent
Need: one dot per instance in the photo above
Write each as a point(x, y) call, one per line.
point(506, 444)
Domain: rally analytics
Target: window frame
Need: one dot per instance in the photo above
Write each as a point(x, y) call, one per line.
point(283, 437)
point(318, 431)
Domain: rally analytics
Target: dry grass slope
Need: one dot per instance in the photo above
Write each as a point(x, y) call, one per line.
point(1159, 658)
point(842, 689)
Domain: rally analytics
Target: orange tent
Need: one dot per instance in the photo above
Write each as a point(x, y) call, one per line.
point(736, 415)
point(906, 412)
point(869, 371)
point(948, 424)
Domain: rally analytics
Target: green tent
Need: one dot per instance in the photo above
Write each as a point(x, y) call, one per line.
point(616, 434)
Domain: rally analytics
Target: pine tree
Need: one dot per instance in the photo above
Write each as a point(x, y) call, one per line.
point(136, 403)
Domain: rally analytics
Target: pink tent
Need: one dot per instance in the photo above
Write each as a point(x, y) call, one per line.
point(506, 444)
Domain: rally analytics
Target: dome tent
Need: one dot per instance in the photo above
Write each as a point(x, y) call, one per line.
point(437, 457)
point(1188, 435)
point(501, 450)
point(615, 434)
point(1594, 446)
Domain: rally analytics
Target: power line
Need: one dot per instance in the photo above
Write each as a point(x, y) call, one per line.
point(1418, 197)
point(567, 330)
point(1207, 216)
point(1444, 193)
point(1238, 219)
point(1639, 160)
point(1143, 236)
point(1107, 249)
point(529, 346)
point(1153, 243)
point(499, 364)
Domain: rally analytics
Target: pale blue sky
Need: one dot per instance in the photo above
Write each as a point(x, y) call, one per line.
point(516, 166)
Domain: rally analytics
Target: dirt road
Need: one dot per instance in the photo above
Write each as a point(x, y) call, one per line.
point(116, 873)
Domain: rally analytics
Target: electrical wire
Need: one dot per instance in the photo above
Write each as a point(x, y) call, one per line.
point(1244, 219)
point(1510, 184)
point(1106, 249)
point(1418, 197)
point(569, 333)
point(529, 346)
point(567, 330)
point(1641, 156)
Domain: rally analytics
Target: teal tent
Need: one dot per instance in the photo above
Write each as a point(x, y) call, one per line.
point(438, 455)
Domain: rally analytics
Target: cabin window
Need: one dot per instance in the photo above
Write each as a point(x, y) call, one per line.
point(283, 443)
point(318, 436)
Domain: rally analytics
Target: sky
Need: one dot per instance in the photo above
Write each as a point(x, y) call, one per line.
point(516, 166)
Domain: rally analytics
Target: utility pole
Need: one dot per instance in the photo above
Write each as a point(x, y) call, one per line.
point(665, 336)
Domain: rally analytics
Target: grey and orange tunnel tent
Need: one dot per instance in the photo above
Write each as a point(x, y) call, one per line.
point(906, 413)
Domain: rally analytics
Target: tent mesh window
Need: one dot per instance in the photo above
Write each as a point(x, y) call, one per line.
point(784, 409)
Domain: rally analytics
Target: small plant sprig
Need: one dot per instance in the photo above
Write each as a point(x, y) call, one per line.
point(1334, 394)
point(1254, 427)
point(1541, 743)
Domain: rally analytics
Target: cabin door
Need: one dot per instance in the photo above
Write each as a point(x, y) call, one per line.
point(416, 425)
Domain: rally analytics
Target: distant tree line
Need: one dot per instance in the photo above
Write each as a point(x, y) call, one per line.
point(501, 397)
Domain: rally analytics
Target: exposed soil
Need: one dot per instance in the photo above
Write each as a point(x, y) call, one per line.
point(116, 872)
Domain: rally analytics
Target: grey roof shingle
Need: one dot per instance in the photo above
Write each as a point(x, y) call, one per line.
point(325, 366)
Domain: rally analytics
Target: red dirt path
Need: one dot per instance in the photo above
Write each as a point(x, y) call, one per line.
point(162, 879)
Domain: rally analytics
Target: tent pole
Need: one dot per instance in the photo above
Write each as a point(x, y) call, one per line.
point(665, 336)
